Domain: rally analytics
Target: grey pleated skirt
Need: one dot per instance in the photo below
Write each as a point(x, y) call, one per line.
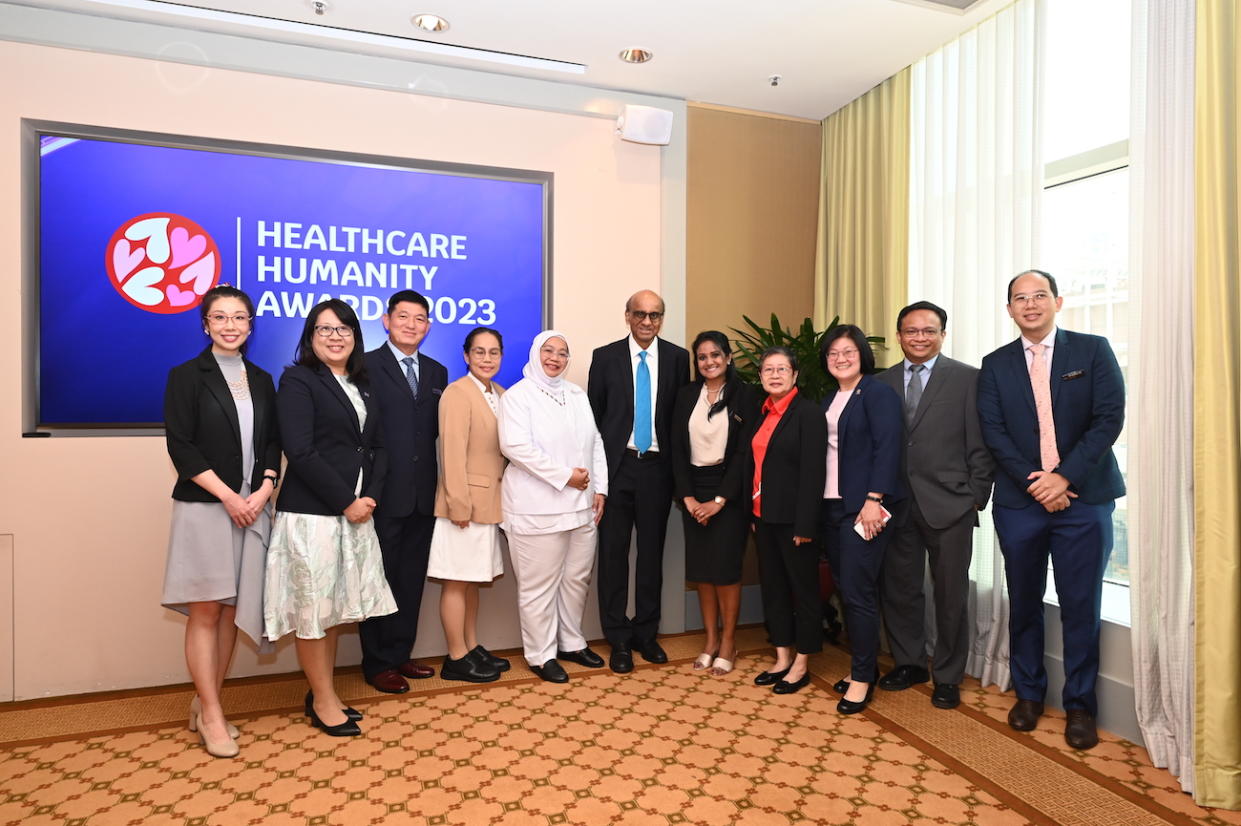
point(212, 560)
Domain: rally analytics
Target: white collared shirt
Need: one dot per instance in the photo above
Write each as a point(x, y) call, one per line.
point(1049, 343)
point(927, 366)
point(652, 364)
point(396, 351)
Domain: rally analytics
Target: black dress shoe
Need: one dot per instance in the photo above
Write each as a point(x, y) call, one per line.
point(1024, 715)
point(852, 706)
point(902, 677)
point(349, 728)
point(770, 677)
point(584, 657)
point(350, 712)
point(551, 671)
point(498, 663)
point(1079, 729)
point(946, 695)
point(785, 687)
point(470, 669)
point(841, 685)
point(652, 652)
point(621, 659)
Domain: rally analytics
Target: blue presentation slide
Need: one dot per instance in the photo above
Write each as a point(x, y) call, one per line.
point(132, 235)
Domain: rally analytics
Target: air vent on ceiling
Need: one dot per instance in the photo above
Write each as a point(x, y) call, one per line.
point(954, 6)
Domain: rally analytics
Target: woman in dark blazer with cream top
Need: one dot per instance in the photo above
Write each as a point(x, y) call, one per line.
point(220, 426)
point(710, 420)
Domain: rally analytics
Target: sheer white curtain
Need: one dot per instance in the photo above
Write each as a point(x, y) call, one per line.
point(976, 177)
point(1160, 416)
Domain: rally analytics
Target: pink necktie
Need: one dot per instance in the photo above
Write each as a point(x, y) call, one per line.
point(1041, 384)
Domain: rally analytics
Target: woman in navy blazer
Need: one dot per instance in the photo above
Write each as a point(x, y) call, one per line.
point(324, 567)
point(864, 436)
point(220, 425)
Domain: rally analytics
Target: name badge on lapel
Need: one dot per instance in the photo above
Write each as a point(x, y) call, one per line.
point(1076, 374)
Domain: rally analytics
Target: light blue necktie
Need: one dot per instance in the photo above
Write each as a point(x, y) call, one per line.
point(411, 374)
point(642, 406)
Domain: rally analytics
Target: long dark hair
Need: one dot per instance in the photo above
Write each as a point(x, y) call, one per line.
point(305, 353)
point(732, 382)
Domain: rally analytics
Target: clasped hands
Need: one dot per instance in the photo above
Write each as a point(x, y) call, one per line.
point(245, 510)
point(360, 510)
point(701, 511)
point(1051, 490)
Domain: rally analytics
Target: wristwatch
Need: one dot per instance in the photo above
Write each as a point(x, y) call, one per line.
point(721, 501)
point(878, 499)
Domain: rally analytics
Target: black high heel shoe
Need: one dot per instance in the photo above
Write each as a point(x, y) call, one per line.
point(350, 712)
point(770, 677)
point(851, 707)
point(349, 728)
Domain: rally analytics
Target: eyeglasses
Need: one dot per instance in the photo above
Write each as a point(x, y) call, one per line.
point(480, 352)
point(1021, 299)
point(643, 315)
point(326, 330)
point(219, 319)
point(924, 332)
point(780, 370)
point(841, 355)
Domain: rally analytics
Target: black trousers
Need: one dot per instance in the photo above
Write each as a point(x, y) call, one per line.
point(856, 564)
point(789, 581)
point(639, 497)
point(406, 544)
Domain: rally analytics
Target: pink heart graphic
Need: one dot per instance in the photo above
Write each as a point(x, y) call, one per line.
point(178, 297)
point(124, 259)
point(202, 272)
point(184, 248)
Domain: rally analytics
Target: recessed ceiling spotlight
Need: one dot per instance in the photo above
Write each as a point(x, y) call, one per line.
point(430, 22)
point(636, 55)
point(320, 7)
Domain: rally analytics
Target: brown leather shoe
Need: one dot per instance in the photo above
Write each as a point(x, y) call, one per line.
point(1024, 715)
point(389, 682)
point(1079, 729)
point(415, 671)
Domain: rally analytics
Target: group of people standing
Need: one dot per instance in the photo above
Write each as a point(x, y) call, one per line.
point(887, 470)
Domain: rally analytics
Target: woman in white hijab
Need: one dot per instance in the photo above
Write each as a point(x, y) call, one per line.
point(552, 498)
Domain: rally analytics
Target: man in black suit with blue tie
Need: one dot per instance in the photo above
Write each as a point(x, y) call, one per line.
point(632, 387)
point(1052, 404)
point(407, 385)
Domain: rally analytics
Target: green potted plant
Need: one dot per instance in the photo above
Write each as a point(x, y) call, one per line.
point(813, 380)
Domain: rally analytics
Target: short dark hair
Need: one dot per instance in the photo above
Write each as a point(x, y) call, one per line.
point(305, 353)
point(854, 333)
point(924, 305)
point(779, 351)
point(219, 291)
point(1051, 282)
point(731, 381)
point(408, 295)
point(478, 331)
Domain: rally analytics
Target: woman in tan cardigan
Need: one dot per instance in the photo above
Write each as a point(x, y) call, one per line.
point(465, 548)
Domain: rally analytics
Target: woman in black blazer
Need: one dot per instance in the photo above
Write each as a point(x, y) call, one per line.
point(324, 567)
point(220, 426)
point(865, 434)
point(709, 420)
point(784, 477)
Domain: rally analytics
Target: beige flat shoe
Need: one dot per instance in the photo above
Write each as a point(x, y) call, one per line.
point(196, 708)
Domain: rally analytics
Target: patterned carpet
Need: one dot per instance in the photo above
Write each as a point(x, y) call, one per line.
point(663, 745)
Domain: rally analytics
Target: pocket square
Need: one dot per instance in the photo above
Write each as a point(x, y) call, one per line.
point(1076, 374)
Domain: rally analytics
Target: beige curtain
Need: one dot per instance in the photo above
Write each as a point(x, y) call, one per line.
point(861, 257)
point(1217, 408)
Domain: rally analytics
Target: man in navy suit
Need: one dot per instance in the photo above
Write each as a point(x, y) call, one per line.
point(407, 386)
point(1051, 405)
point(632, 386)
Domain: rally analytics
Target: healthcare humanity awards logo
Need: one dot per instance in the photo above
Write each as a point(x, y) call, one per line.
point(162, 262)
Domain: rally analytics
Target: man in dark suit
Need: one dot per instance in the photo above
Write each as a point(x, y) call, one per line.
point(1050, 420)
point(632, 387)
point(948, 471)
point(407, 386)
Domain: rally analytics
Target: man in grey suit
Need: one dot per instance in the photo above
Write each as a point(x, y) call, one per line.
point(948, 470)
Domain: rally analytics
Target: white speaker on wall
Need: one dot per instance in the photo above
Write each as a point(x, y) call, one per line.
point(645, 124)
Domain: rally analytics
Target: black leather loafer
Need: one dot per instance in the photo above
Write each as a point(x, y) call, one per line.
point(621, 659)
point(1079, 729)
point(498, 663)
point(770, 677)
point(902, 677)
point(551, 671)
point(785, 687)
point(946, 695)
point(584, 657)
point(652, 652)
point(1024, 715)
point(469, 669)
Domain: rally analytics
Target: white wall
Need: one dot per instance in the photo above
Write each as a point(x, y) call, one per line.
point(89, 516)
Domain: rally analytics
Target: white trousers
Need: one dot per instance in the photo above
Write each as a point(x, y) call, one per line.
point(553, 576)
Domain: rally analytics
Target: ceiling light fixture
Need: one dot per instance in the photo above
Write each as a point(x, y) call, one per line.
point(636, 55)
point(430, 23)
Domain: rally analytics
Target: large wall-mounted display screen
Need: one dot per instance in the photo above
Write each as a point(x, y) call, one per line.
point(131, 231)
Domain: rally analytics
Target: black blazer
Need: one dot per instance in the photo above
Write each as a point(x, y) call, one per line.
point(741, 412)
point(609, 387)
point(204, 433)
point(409, 430)
point(870, 436)
point(794, 468)
point(324, 444)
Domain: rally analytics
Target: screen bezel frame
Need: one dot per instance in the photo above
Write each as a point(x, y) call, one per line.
point(32, 130)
